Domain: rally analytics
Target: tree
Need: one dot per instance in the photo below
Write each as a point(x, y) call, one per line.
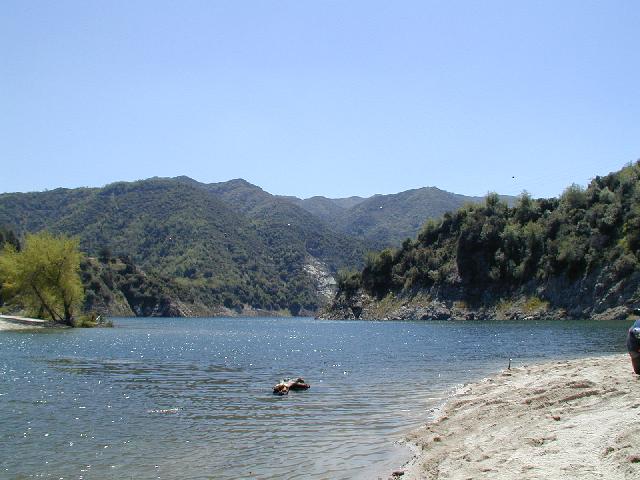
point(8, 236)
point(44, 277)
point(574, 197)
point(348, 281)
point(105, 255)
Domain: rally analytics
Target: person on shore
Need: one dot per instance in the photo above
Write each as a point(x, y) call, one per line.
point(633, 345)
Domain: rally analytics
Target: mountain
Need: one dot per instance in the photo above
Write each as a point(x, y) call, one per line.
point(292, 226)
point(228, 244)
point(174, 246)
point(385, 220)
point(575, 256)
point(389, 219)
point(326, 209)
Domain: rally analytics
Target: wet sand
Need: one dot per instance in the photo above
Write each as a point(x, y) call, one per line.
point(560, 420)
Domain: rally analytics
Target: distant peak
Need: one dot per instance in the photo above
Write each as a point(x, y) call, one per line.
point(184, 178)
point(239, 181)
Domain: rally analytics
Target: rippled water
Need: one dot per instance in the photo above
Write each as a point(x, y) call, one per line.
point(191, 398)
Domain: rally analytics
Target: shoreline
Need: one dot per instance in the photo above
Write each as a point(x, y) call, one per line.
point(563, 419)
point(363, 306)
point(12, 323)
point(12, 327)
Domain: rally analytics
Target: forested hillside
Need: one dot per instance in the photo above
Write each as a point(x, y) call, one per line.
point(178, 246)
point(390, 219)
point(576, 255)
point(385, 220)
point(223, 245)
point(287, 227)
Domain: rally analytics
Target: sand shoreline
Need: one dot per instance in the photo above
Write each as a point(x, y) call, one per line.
point(7, 324)
point(564, 419)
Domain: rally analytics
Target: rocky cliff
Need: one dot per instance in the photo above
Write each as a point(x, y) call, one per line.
point(577, 256)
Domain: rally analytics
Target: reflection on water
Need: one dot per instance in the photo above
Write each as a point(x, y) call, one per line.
point(191, 398)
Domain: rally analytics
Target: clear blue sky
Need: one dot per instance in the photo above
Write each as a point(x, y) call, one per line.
point(330, 98)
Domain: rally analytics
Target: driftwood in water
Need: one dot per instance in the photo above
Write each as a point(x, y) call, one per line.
point(287, 384)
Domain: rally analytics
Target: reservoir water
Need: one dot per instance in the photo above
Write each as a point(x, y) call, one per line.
point(191, 398)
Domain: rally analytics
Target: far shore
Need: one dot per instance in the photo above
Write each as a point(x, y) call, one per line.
point(567, 419)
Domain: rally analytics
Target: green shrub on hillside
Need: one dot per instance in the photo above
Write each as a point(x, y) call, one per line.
point(494, 247)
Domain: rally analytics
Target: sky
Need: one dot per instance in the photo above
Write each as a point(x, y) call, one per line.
point(333, 98)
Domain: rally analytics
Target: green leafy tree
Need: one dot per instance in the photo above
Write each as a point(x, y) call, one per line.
point(44, 277)
point(574, 197)
point(8, 236)
point(348, 281)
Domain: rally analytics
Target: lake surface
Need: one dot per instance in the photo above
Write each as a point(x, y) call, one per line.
point(86, 403)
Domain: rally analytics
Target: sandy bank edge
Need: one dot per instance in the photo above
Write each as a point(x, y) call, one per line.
point(564, 419)
point(7, 325)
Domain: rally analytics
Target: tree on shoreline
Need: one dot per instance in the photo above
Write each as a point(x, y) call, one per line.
point(44, 277)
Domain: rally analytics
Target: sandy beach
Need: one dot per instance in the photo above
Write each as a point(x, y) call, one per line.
point(7, 324)
point(560, 420)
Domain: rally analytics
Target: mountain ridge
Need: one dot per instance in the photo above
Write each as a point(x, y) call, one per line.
point(205, 246)
point(180, 230)
point(386, 219)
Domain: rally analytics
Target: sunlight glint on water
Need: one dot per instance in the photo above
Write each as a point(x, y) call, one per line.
point(191, 398)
